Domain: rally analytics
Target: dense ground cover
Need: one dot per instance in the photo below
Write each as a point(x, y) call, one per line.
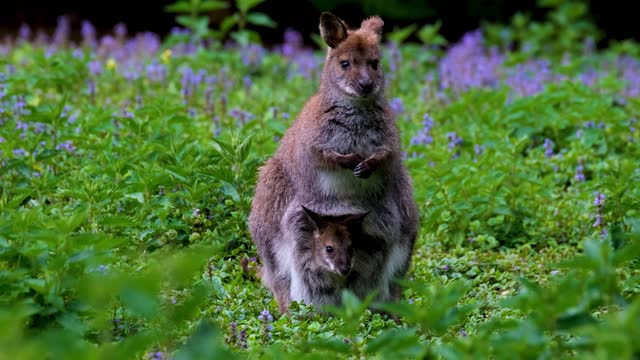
point(128, 166)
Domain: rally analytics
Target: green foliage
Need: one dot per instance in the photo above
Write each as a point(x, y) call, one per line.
point(233, 25)
point(565, 30)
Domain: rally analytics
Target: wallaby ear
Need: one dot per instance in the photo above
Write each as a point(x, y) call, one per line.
point(374, 24)
point(332, 29)
point(317, 219)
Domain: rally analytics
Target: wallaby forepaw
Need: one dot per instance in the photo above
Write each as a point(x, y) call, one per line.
point(362, 170)
point(349, 161)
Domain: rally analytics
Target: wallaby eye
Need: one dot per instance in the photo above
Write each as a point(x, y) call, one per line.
point(329, 249)
point(344, 63)
point(374, 64)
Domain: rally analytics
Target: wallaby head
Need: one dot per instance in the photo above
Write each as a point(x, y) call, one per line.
point(353, 59)
point(332, 240)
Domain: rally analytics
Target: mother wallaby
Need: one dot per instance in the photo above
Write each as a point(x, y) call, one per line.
point(342, 152)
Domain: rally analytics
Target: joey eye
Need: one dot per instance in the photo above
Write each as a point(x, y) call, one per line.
point(344, 64)
point(374, 64)
point(329, 249)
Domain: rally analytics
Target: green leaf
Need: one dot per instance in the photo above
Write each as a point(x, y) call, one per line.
point(230, 190)
point(140, 301)
point(261, 20)
point(400, 35)
point(38, 285)
point(397, 343)
point(571, 321)
point(178, 7)
point(243, 149)
point(210, 5)
point(138, 196)
point(245, 5)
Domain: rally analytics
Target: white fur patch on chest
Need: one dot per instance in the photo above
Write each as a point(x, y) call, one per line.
point(343, 183)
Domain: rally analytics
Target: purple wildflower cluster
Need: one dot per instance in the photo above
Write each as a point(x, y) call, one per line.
point(266, 318)
point(468, 64)
point(252, 55)
point(237, 338)
point(598, 202)
point(454, 142)
point(423, 137)
point(302, 60)
point(397, 106)
point(548, 148)
point(579, 175)
point(529, 79)
point(156, 355)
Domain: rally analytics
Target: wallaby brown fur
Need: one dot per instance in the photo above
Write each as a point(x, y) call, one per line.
point(341, 155)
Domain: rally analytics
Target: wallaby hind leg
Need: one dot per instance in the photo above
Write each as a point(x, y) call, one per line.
point(279, 289)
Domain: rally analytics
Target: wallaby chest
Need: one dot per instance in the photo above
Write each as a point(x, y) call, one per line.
point(353, 130)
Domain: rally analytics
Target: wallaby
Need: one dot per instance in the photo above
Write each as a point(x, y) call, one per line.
point(342, 151)
point(321, 256)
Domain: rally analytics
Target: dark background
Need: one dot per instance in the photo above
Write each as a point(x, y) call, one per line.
point(616, 18)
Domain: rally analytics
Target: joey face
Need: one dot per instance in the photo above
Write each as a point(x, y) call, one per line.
point(353, 60)
point(333, 246)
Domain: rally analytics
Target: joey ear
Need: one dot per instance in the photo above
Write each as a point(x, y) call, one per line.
point(332, 29)
point(374, 24)
point(317, 219)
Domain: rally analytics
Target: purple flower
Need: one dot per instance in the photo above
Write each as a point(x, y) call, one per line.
point(186, 82)
point(39, 127)
point(88, 32)
point(599, 199)
point(67, 146)
point(124, 112)
point(397, 106)
point(19, 106)
point(548, 148)
point(247, 82)
point(454, 142)
point(423, 137)
point(91, 87)
point(293, 43)
point(242, 339)
point(478, 149)
point(95, 67)
point(468, 64)
point(156, 72)
point(395, 57)
point(242, 116)
point(528, 79)
point(579, 176)
point(20, 152)
point(120, 30)
point(252, 55)
point(62, 31)
point(265, 316)
point(599, 220)
point(196, 213)
point(24, 33)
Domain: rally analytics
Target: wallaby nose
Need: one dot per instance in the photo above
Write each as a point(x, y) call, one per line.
point(366, 86)
point(345, 270)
